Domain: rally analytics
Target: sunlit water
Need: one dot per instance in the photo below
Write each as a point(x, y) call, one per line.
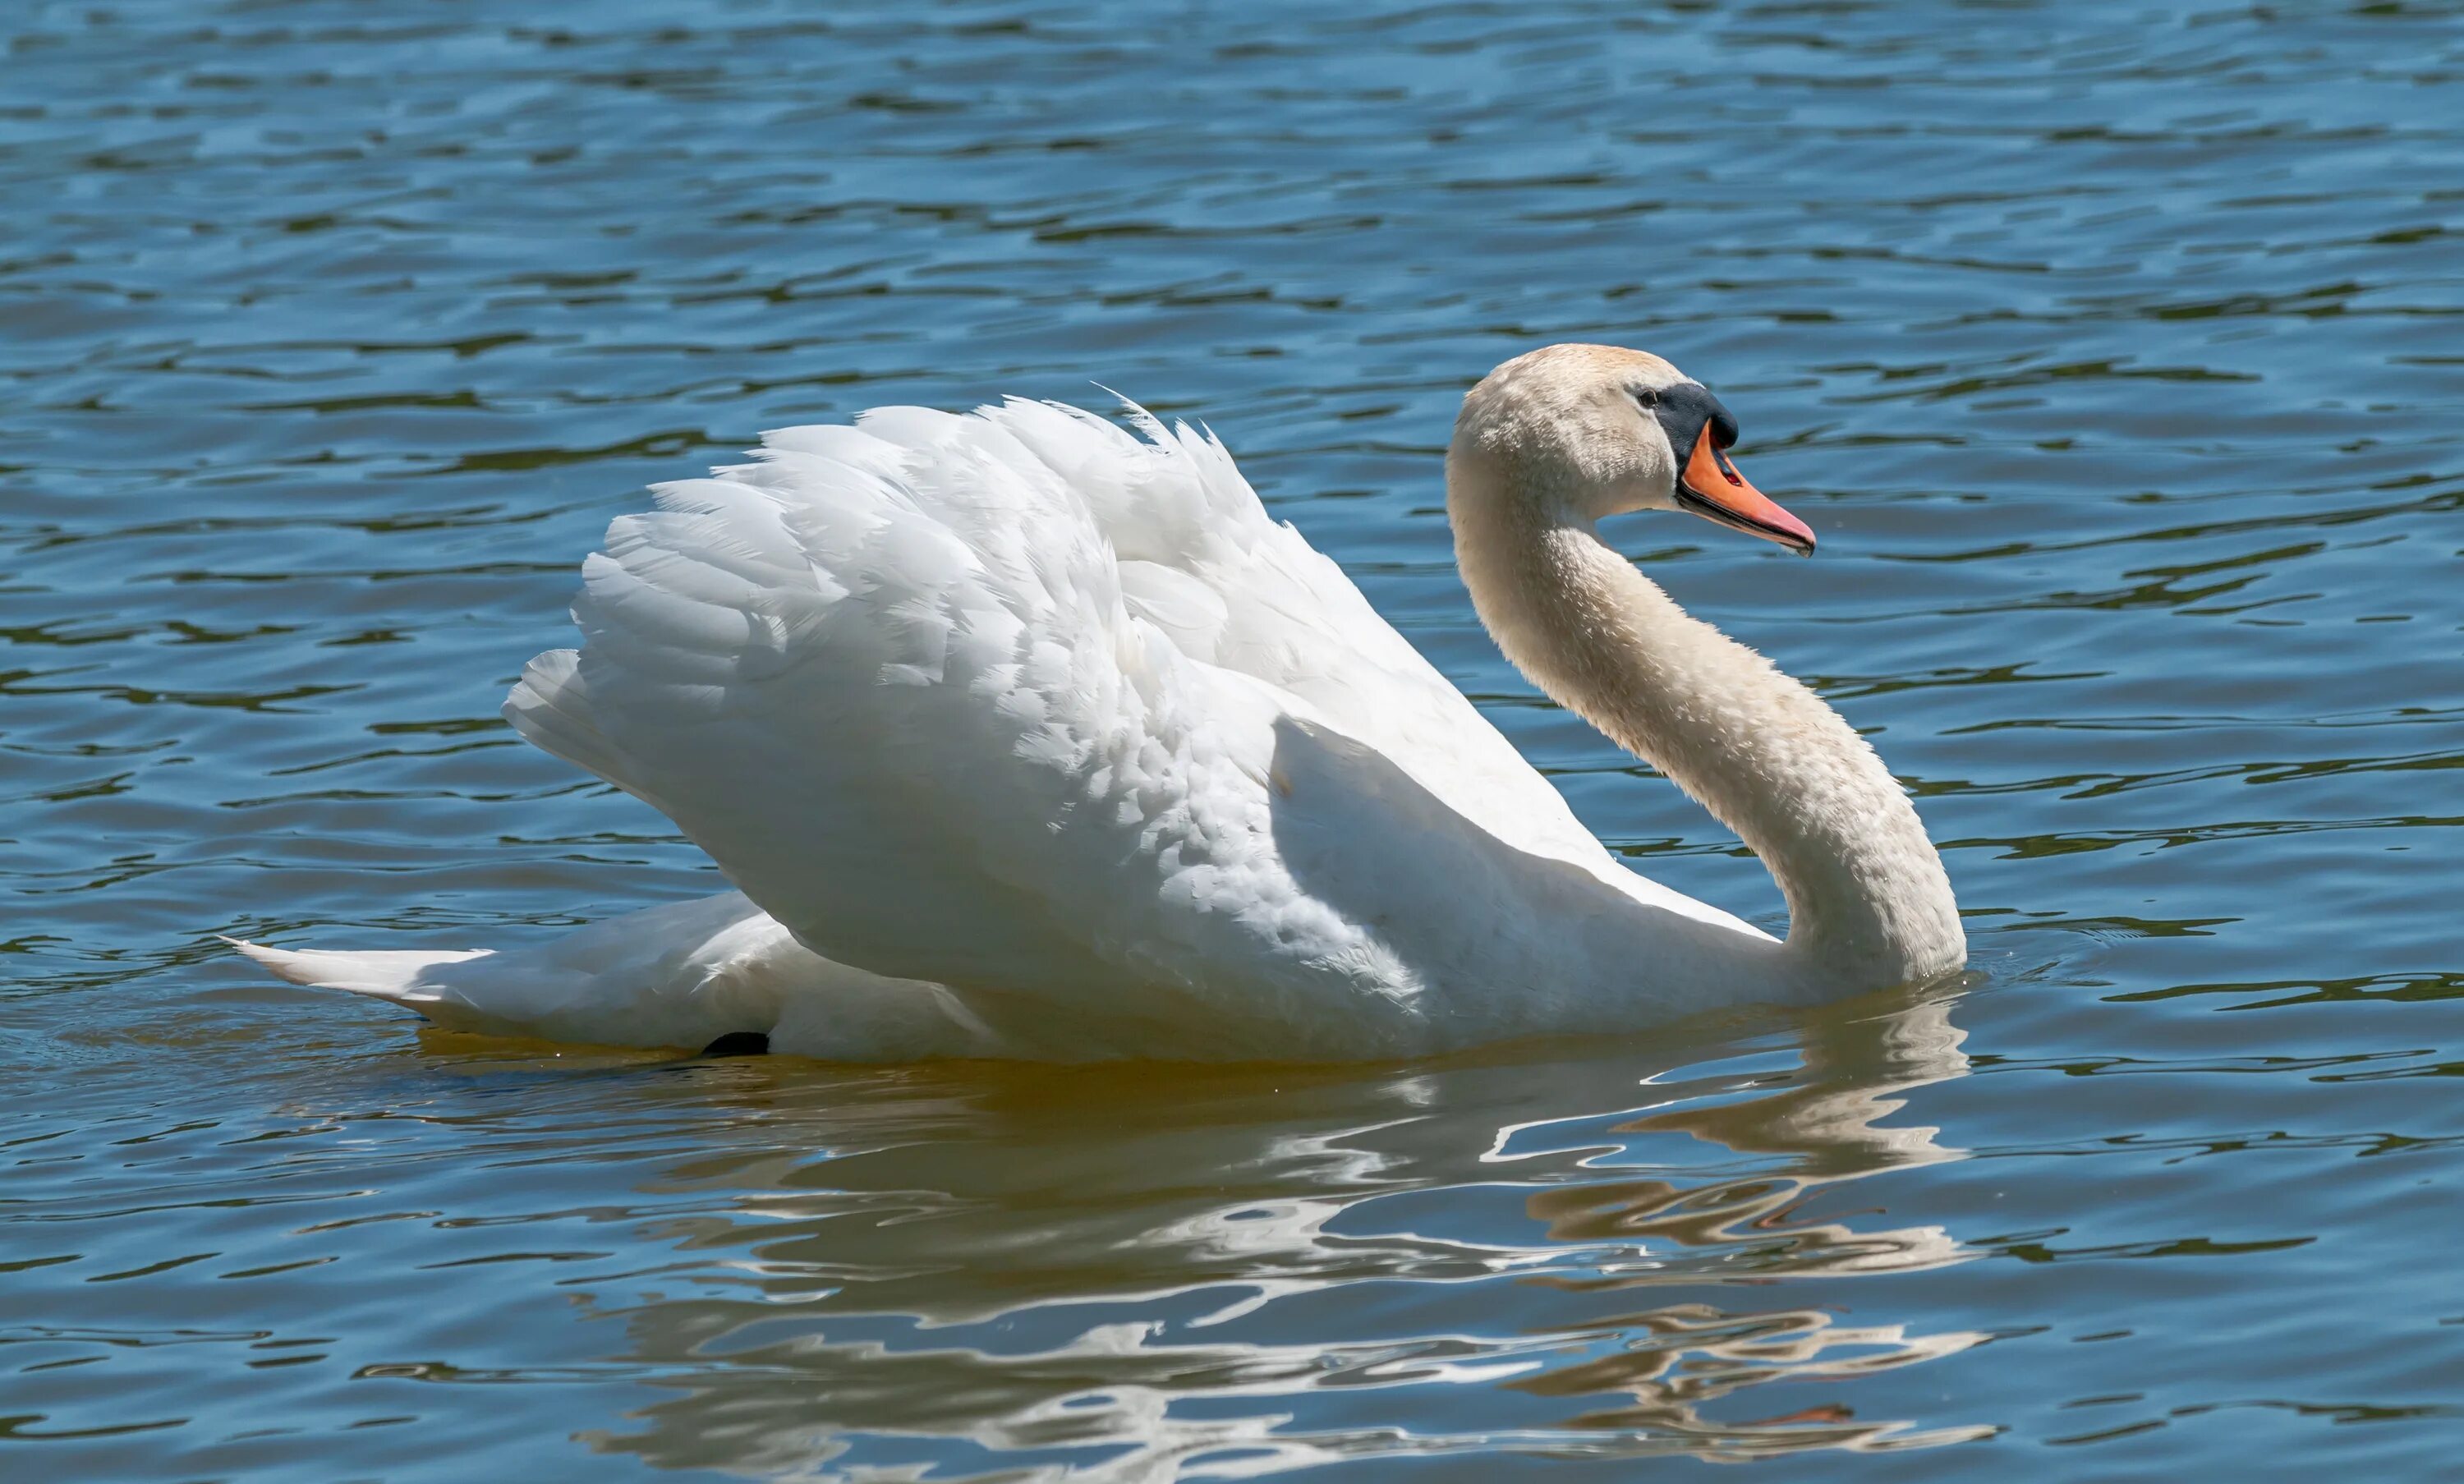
point(2115, 351)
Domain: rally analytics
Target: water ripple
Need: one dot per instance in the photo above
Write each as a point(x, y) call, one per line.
point(2110, 351)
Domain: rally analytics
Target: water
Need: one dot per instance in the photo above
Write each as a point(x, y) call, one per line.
point(2112, 349)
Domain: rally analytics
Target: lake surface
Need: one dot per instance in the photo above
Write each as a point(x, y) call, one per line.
point(2115, 351)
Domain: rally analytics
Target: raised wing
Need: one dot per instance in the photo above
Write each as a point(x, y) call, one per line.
point(1003, 701)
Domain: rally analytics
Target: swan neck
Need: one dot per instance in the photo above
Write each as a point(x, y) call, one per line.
point(1868, 896)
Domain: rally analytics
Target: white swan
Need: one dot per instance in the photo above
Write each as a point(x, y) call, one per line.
point(1077, 753)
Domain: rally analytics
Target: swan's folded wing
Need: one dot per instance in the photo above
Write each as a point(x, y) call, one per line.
point(888, 678)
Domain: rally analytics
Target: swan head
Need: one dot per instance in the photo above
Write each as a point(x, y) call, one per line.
point(1588, 431)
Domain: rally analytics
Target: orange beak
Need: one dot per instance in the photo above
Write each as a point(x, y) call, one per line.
point(1710, 487)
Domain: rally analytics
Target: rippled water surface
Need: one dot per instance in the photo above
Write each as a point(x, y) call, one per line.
point(2116, 351)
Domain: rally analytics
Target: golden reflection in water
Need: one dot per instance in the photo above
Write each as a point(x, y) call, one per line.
point(881, 1266)
point(1673, 1360)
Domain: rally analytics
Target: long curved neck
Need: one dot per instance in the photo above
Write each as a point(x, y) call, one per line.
point(1867, 898)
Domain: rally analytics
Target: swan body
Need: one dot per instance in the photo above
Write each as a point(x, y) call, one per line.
point(1021, 736)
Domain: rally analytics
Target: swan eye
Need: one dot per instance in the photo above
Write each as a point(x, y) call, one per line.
point(1648, 398)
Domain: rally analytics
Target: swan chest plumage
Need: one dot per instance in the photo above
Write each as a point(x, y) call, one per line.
point(1020, 735)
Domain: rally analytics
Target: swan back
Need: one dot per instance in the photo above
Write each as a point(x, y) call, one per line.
point(1018, 704)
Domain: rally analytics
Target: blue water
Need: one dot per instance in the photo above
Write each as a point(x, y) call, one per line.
point(2114, 350)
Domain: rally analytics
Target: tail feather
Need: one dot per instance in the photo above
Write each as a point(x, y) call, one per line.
point(384, 973)
point(686, 974)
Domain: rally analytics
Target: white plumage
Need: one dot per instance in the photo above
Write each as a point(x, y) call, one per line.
point(1056, 745)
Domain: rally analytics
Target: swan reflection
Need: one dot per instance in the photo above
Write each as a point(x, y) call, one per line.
point(1140, 1267)
point(1670, 1360)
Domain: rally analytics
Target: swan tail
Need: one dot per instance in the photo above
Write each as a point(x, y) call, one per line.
point(391, 974)
point(688, 974)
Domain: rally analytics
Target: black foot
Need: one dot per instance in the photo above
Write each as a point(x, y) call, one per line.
point(739, 1043)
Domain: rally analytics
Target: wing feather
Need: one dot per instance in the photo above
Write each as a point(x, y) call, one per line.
point(996, 702)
